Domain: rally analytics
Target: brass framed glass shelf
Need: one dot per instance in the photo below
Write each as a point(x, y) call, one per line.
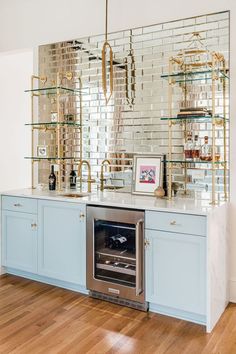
point(53, 90)
point(36, 158)
point(196, 162)
point(195, 75)
point(200, 118)
point(54, 124)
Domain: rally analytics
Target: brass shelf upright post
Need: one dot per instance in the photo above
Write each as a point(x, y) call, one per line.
point(213, 201)
point(224, 127)
point(170, 93)
point(42, 79)
point(32, 131)
point(58, 137)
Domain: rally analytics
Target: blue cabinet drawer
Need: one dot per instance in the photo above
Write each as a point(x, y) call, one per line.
point(23, 205)
point(175, 222)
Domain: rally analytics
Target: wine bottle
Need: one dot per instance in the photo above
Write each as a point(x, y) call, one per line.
point(72, 179)
point(109, 241)
point(165, 186)
point(52, 180)
point(120, 241)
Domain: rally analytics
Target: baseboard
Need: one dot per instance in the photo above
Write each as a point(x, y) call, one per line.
point(232, 290)
point(2, 270)
point(180, 314)
point(61, 284)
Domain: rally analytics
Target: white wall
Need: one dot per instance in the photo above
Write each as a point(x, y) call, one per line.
point(29, 23)
point(15, 71)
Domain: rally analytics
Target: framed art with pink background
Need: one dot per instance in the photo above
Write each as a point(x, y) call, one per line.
point(147, 173)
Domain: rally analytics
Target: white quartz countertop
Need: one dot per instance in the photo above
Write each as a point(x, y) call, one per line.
point(123, 200)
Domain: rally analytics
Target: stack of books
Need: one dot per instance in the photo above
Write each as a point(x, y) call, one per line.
point(194, 112)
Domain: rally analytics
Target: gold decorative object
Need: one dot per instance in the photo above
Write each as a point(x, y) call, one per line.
point(159, 192)
point(43, 79)
point(107, 46)
point(69, 75)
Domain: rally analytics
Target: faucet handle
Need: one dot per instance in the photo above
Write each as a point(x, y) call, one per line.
point(91, 180)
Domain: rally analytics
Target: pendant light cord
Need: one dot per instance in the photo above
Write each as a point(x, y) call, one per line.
point(106, 21)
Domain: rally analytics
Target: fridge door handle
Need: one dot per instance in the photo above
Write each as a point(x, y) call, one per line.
point(139, 258)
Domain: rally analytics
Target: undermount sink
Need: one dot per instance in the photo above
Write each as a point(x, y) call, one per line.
point(74, 195)
point(112, 188)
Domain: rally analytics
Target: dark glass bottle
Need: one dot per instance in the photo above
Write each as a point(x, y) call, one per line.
point(165, 186)
point(120, 241)
point(52, 180)
point(72, 179)
point(109, 242)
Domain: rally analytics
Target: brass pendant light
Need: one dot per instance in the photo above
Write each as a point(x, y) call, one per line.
point(130, 74)
point(107, 46)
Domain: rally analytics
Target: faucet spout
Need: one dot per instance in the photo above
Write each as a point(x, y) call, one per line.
point(89, 180)
point(102, 179)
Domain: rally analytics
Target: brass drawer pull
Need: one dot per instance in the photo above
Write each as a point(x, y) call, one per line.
point(17, 205)
point(173, 222)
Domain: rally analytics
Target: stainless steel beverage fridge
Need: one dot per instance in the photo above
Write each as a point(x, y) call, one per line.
point(115, 255)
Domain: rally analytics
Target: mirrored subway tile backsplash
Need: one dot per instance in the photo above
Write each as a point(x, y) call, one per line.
point(131, 122)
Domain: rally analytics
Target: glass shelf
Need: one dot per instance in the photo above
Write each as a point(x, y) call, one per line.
point(53, 90)
point(194, 75)
point(36, 158)
point(196, 162)
point(54, 124)
point(202, 118)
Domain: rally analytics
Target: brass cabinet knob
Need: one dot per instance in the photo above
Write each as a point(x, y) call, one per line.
point(173, 222)
point(33, 226)
point(82, 215)
point(146, 242)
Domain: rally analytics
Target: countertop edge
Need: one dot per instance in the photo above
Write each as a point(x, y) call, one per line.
point(138, 202)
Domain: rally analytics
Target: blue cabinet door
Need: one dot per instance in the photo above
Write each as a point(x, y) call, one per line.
point(19, 241)
point(176, 271)
point(62, 241)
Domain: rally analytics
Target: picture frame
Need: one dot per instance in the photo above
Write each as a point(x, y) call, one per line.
point(42, 150)
point(54, 117)
point(147, 173)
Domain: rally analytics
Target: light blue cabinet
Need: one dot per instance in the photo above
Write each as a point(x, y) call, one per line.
point(62, 241)
point(19, 240)
point(176, 272)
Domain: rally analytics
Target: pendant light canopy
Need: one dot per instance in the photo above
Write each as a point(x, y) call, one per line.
point(107, 51)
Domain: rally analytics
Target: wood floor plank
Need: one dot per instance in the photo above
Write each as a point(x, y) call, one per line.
point(37, 318)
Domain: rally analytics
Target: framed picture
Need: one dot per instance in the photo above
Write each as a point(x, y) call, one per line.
point(42, 151)
point(53, 117)
point(147, 173)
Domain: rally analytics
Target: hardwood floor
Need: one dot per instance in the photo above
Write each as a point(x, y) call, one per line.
point(39, 318)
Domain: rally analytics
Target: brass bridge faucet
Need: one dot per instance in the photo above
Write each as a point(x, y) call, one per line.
point(89, 180)
point(102, 179)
